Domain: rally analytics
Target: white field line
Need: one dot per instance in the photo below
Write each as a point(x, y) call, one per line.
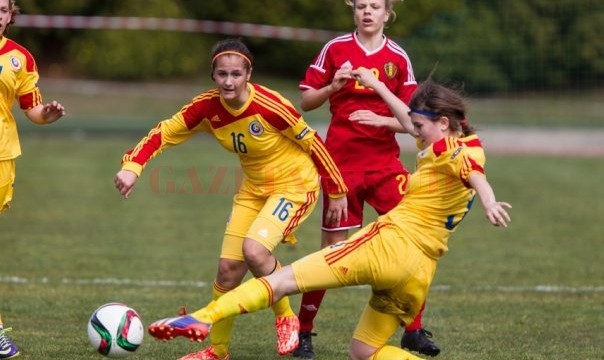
point(102, 281)
point(17, 280)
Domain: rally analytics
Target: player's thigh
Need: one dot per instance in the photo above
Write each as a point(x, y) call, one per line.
point(313, 273)
point(352, 262)
point(374, 328)
point(405, 299)
point(7, 179)
point(386, 188)
point(245, 210)
point(280, 217)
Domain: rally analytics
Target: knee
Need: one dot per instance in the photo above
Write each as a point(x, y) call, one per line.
point(230, 273)
point(353, 355)
point(258, 258)
point(360, 351)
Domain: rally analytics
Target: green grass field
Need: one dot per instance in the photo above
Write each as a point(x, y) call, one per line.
point(70, 243)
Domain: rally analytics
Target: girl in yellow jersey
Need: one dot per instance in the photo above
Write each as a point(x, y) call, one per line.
point(281, 157)
point(18, 81)
point(397, 254)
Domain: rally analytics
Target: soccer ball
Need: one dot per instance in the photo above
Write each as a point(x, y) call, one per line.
point(115, 330)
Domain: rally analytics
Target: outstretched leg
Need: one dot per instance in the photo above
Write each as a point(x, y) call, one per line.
point(418, 339)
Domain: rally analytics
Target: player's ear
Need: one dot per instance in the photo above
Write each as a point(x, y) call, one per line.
point(249, 74)
point(444, 123)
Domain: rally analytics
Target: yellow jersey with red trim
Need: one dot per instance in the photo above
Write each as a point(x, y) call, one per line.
point(276, 147)
point(439, 195)
point(18, 81)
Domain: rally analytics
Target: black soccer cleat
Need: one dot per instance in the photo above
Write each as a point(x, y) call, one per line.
point(304, 350)
point(419, 341)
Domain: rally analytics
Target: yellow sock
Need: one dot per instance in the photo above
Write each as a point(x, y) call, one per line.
point(220, 335)
point(282, 307)
point(388, 352)
point(253, 295)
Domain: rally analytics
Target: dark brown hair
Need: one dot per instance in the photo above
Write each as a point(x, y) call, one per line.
point(232, 46)
point(443, 101)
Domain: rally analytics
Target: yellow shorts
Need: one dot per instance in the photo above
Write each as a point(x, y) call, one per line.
point(397, 270)
point(7, 179)
point(267, 220)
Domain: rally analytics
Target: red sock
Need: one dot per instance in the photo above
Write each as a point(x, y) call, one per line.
point(309, 307)
point(417, 322)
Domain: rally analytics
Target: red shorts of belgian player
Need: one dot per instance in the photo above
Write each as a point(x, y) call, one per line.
point(382, 189)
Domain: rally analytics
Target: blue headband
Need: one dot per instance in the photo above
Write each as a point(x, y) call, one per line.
point(427, 113)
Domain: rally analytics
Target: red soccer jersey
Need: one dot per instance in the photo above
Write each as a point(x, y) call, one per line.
point(354, 146)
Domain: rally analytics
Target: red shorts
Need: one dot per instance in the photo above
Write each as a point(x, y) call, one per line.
point(382, 189)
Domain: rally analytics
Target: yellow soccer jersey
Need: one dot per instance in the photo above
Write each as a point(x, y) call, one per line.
point(438, 196)
point(276, 148)
point(18, 80)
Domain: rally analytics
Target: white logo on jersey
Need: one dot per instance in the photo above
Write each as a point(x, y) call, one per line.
point(263, 233)
point(302, 133)
point(310, 307)
point(456, 153)
point(346, 64)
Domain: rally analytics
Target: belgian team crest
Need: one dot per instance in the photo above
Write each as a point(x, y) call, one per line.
point(390, 70)
point(256, 128)
point(15, 63)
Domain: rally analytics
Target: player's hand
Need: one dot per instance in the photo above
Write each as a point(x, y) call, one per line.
point(124, 182)
point(52, 112)
point(365, 77)
point(337, 211)
point(497, 214)
point(341, 76)
point(367, 117)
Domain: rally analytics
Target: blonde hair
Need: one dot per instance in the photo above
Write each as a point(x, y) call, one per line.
point(389, 6)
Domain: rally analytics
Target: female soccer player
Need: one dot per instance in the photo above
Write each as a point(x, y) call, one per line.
point(398, 253)
point(361, 138)
point(18, 80)
point(281, 157)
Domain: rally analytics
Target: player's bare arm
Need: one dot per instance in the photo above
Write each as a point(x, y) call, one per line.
point(313, 98)
point(368, 117)
point(494, 210)
point(400, 110)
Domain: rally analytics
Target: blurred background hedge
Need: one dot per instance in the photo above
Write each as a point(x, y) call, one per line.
point(491, 46)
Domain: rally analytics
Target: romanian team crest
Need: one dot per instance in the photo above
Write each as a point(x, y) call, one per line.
point(256, 128)
point(15, 63)
point(390, 70)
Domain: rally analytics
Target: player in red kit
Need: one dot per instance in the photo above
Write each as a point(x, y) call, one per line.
point(361, 138)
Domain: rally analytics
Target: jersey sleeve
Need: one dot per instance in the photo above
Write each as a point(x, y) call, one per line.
point(472, 161)
point(28, 94)
point(319, 73)
point(409, 84)
point(460, 157)
point(467, 157)
point(311, 142)
point(284, 116)
point(167, 133)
